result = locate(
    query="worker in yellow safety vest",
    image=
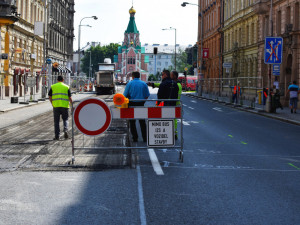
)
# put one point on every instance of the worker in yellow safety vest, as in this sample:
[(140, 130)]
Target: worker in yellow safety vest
[(60, 98)]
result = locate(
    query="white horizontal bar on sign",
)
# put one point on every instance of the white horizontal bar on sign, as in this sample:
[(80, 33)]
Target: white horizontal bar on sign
[(116, 114), (140, 113), (168, 113)]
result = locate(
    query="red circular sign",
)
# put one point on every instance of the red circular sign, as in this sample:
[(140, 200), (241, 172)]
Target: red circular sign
[(92, 116)]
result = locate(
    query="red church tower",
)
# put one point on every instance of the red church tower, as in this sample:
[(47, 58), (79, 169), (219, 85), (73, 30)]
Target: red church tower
[(131, 56)]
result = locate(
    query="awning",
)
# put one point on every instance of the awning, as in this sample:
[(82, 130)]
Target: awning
[(61, 69), (68, 70)]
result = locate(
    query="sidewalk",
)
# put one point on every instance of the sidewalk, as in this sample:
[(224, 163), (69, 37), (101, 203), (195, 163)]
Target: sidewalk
[(12, 113), (283, 115)]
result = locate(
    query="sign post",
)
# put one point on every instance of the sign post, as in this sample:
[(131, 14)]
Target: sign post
[(272, 55)]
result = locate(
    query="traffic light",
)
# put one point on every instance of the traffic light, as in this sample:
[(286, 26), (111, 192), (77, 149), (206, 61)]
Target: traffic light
[(155, 50)]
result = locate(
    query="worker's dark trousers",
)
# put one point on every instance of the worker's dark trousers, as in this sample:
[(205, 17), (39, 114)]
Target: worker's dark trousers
[(142, 123), (64, 112)]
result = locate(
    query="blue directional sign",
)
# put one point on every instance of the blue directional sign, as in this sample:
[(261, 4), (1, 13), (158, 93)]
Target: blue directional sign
[(276, 70), (273, 50), (48, 61)]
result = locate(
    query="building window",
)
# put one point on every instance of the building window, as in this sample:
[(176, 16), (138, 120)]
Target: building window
[(296, 16), (278, 28), (288, 15)]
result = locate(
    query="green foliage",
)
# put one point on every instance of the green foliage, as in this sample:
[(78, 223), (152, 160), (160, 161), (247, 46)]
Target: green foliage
[(99, 53), (152, 78), (181, 61)]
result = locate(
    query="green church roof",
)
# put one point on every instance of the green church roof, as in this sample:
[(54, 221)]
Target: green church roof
[(132, 26)]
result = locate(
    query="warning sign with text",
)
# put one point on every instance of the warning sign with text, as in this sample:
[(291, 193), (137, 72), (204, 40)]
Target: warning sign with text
[(161, 133)]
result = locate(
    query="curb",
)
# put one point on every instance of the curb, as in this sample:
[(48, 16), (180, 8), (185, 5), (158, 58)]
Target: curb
[(249, 110), (21, 106)]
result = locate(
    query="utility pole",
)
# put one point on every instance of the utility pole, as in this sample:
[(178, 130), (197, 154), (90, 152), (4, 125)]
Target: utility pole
[(268, 103), (201, 53)]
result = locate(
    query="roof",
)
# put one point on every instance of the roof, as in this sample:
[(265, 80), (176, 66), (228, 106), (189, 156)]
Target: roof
[(131, 28)]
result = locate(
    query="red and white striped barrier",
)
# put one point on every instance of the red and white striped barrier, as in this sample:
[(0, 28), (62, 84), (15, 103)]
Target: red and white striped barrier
[(146, 113)]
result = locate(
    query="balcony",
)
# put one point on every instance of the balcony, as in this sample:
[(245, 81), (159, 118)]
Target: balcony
[(261, 7), (8, 12)]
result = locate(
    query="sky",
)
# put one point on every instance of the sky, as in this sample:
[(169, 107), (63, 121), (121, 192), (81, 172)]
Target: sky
[(151, 17)]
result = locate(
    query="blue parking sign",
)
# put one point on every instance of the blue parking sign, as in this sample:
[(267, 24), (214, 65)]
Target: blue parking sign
[(273, 50)]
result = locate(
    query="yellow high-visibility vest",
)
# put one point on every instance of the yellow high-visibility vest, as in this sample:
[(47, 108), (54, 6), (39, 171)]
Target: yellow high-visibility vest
[(60, 96)]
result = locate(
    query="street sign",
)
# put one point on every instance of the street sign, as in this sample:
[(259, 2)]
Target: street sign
[(92, 116), (205, 53), (4, 56), (227, 65), (48, 61), (31, 81), (160, 133), (273, 50), (276, 69), (227, 70)]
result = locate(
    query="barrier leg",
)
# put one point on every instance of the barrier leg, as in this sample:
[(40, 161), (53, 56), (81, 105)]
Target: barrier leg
[(73, 152), (181, 135)]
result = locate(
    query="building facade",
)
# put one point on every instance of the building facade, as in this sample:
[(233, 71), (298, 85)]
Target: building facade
[(25, 49), (210, 20), (241, 45), (164, 59), (286, 24), (131, 55), (61, 34)]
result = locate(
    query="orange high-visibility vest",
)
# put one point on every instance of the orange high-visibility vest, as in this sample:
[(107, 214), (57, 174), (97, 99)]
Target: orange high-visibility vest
[(234, 89)]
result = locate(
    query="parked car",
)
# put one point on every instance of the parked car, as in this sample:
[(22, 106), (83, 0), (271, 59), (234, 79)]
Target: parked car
[(191, 83)]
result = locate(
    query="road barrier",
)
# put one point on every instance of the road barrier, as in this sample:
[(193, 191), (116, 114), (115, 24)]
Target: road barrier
[(93, 116)]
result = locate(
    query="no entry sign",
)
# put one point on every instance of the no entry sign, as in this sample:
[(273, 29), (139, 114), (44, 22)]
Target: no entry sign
[(92, 116)]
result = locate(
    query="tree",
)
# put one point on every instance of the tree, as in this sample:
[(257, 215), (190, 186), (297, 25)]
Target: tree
[(181, 61), (99, 53), (151, 77)]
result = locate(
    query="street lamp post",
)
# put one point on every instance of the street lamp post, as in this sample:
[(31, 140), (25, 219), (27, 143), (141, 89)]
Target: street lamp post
[(172, 28), (90, 67), (79, 33), (201, 51)]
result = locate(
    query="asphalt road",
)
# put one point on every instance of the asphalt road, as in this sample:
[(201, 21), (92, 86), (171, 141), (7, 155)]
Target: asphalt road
[(238, 168)]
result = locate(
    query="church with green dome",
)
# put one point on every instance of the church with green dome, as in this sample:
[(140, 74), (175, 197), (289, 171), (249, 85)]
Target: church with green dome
[(131, 55)]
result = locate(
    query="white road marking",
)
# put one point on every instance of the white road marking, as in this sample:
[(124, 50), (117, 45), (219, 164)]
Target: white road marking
[(193, 101), (191, 108), (218, 109), (156, 166), (195, 122), (184, 104), (141, 196), (186, 123)]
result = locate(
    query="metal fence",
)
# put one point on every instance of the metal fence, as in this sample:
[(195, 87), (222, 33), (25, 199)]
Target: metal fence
[(221, 89)]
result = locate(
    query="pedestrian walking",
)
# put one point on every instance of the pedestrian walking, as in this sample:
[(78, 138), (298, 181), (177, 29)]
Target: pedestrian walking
[(60, 98), (174, 77), (293, 90), (137, 90), (168, 89)]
